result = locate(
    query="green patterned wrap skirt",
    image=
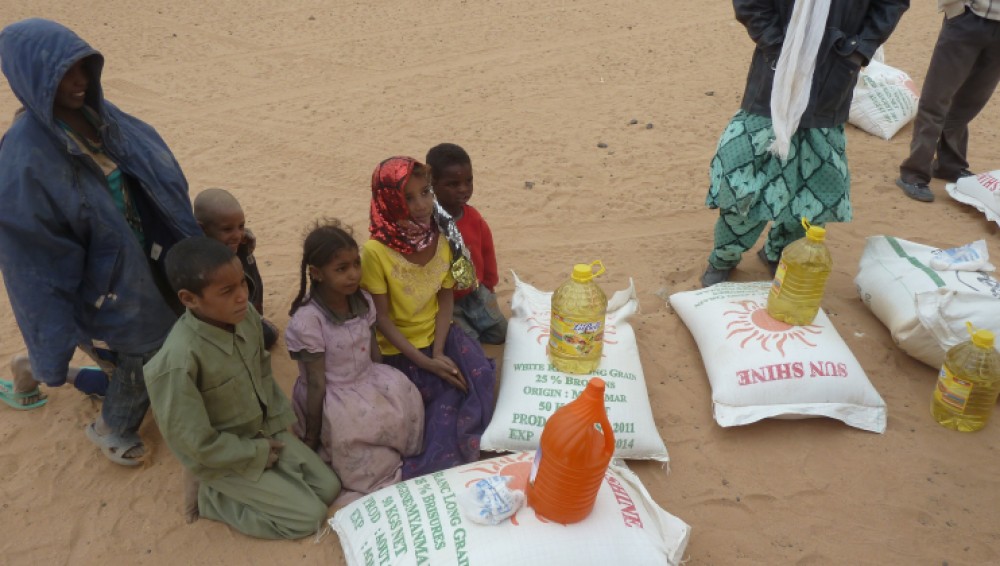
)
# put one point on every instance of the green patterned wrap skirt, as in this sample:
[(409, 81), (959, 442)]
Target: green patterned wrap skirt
[(751, 186)]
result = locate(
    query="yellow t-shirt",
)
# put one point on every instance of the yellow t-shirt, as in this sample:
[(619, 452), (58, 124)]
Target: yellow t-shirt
[(412, 289)]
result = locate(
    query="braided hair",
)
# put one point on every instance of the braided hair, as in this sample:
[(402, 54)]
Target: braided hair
[(324, 240)]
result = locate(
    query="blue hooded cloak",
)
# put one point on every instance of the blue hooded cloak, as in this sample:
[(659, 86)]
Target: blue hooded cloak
[(75, 272)]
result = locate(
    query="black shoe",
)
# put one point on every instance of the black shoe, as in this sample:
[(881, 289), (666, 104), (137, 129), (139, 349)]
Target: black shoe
[(713, 276), (965, 173), (771, 265), (916, 191)]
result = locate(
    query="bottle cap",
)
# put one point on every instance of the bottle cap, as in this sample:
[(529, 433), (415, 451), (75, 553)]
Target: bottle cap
[(982, 338), (814, 233), (583, 272)]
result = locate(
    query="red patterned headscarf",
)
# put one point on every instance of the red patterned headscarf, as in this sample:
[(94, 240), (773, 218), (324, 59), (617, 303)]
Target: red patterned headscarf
[(390, 217)]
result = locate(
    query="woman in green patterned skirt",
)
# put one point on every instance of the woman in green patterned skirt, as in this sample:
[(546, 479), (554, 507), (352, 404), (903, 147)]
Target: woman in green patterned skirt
[(783, 159)]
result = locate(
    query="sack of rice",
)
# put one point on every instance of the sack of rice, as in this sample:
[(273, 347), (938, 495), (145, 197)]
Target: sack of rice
[(761, 368), (419, 521), (981, 191), (924, 309), (531, 389), (885, 100)]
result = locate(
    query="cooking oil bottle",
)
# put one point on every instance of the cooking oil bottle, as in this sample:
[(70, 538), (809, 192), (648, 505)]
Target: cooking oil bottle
[(576, 329), (968, 384), (572, 458), (800, 279)]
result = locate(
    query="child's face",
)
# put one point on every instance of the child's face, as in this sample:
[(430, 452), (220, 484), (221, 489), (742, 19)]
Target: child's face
[(419, 199), (223, 301), (72, 89), (228, 227), (453, 186), (342, 274)]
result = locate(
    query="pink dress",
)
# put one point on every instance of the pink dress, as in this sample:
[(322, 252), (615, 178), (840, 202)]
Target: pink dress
[(373, 415)]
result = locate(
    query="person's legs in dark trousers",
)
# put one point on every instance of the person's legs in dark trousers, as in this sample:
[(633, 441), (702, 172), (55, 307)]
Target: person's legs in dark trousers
[(958, 48), (126, 401), (968, 102)]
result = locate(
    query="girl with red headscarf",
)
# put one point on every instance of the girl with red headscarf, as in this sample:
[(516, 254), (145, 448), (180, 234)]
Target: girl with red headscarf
[(407, 268)]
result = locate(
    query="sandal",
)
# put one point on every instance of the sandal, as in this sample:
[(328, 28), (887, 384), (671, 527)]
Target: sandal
[(114, 446), (13, 398)]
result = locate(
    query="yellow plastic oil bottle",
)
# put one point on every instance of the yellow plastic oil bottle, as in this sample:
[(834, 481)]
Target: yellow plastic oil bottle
[(968, 383), (572, 458), (576, 329), (801, 278)]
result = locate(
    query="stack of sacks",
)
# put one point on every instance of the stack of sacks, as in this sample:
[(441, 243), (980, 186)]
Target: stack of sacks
[(981, 191), (531, 389), (760, 367), (420, 521), (924, 296)]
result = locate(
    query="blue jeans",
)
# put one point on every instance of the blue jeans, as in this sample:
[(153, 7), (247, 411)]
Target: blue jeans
[(126, 401)]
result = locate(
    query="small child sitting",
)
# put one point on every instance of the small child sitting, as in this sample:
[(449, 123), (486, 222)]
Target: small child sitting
[(221, 217), (476, 310), (220, 410), (361, 415)]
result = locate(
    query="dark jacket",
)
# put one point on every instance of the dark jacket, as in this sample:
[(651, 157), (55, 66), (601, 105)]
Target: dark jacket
[(74, 270), (854, 26)]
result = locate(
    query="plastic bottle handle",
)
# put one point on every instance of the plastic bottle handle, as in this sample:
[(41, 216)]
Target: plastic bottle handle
[(971, 329), (609, 438), (806, 224), (599, 271)]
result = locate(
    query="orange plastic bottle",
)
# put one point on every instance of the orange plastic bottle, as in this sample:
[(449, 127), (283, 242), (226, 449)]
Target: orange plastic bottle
[(564, 483)]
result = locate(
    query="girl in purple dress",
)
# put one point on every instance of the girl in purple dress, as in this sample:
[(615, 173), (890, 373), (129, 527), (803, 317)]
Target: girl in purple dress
[(363, 417)]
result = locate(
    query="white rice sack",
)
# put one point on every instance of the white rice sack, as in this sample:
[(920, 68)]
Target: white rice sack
[(885, 100), (761, 368), (531, 389), (419, 522), (924, 309), (981, 191)]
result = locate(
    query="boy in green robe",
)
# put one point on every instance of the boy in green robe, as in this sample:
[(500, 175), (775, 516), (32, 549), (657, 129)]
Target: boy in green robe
[(220, 410)]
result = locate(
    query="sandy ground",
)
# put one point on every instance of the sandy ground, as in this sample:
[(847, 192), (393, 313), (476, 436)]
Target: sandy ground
[(291, 105)]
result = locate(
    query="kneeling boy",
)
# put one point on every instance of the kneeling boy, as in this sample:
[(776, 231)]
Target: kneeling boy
[(220, 410)]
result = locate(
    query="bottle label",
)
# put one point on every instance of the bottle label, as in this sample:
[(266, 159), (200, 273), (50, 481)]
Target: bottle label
[(779, 278), (951, 390), (575, 337)]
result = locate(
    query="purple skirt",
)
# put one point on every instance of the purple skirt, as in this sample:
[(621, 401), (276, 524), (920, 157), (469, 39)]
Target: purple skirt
[(453, 421)]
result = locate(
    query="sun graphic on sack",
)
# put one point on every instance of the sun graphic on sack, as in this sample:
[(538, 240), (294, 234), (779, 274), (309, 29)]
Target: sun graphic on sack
[(518, 466), (538, 323), (752, 323)]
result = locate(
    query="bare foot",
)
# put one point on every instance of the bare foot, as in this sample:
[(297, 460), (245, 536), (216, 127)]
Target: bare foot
[(24, 380), (191, 485)]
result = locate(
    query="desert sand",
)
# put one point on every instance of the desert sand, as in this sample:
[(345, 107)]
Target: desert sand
[(291, 105)]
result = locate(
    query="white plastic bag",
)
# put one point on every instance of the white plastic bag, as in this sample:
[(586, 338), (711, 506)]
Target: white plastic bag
[(885, 100), (490, 500), (924, 309), (418, 522), (531, 389), (970, 257), (981, 191), (761, 368)]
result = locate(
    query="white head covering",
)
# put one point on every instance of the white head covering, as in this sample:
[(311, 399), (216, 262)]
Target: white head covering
[(794, 73)]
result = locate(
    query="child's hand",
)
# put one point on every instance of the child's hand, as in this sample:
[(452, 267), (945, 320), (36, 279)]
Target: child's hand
[(442, 366), (272, 456)]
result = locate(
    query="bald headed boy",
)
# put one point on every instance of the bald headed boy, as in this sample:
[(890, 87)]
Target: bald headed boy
[(221, 218)]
